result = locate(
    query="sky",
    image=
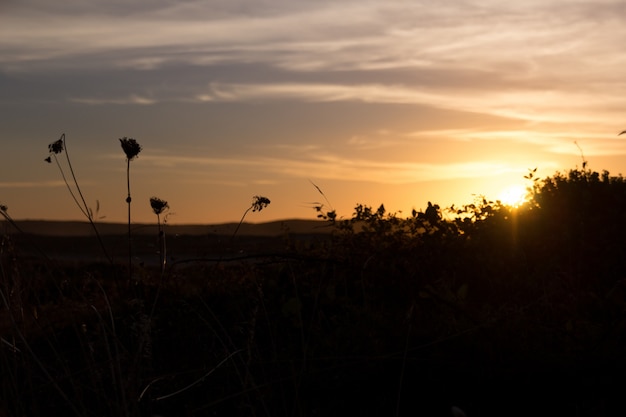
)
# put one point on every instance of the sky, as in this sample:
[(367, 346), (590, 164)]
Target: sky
[(391, 102)]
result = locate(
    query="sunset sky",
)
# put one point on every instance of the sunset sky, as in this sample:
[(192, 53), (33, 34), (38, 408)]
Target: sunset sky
[(398, 102)]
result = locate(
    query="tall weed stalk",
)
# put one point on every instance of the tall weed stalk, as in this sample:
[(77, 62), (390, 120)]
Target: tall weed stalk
[(131, 149), (56, 148), (258, 204), (159, 207)]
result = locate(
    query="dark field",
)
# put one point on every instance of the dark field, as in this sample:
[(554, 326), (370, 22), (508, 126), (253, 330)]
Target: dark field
[(508, 313), (145, 249)]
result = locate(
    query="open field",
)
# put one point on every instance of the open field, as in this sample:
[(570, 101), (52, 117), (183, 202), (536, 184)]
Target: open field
[(81, 228), (76, 240)]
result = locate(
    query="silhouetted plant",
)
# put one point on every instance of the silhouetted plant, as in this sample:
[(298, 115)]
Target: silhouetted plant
[(4, 213), (56, 148), (258, 204), (582, 155), (158, 207), (581, 216), (131, 149), (330, 215), (432, 214)]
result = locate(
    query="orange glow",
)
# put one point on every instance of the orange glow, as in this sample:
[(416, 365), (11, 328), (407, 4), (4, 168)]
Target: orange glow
[(513, 195)]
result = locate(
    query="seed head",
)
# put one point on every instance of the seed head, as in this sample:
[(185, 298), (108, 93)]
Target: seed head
[(259, 203), (131, 147), (3, 208), (158, 205), (56, 146)]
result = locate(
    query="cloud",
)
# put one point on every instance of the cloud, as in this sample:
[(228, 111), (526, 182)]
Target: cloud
[(342, 168), (327, 166), (300, 36), (132, 99), (554, 61), (596, 142), (545, 106)]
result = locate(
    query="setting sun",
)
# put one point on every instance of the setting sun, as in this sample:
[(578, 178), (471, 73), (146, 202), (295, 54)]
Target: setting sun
[(513, 195)]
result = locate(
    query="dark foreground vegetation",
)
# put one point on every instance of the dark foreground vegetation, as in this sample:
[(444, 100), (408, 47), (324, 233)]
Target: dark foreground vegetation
[(500, 311)]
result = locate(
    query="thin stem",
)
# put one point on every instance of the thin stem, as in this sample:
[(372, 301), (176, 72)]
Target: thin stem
[(196, 382), (84, 208), (128, 200), (241, 221), (162, 249), (258, 204), (69, 164), (67, 184)]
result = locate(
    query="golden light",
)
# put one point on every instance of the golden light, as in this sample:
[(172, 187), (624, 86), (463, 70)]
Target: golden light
[(513, 195)]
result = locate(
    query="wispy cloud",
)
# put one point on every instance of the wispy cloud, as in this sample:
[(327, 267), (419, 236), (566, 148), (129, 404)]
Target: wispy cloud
[(132, 99), (533, 105), (536, 61), (350, 35), (341, 168), (331, 166), (597, 143), (548, 105)]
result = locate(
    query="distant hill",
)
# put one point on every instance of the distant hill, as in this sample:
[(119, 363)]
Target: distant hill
[(79, 228)]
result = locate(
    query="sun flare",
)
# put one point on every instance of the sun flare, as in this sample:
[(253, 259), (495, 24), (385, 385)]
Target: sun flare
[(513, 195)]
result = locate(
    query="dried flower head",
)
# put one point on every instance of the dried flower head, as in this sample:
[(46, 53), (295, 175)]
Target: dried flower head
[(131, 147), (3, 207), (158, 205), (56, 146), (259, 203)]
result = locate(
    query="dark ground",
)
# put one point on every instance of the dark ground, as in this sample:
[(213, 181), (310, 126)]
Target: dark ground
[(316, 337)]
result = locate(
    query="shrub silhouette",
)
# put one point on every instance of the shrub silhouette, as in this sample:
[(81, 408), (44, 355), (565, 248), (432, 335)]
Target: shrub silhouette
[(557, 260), (580, 219)]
